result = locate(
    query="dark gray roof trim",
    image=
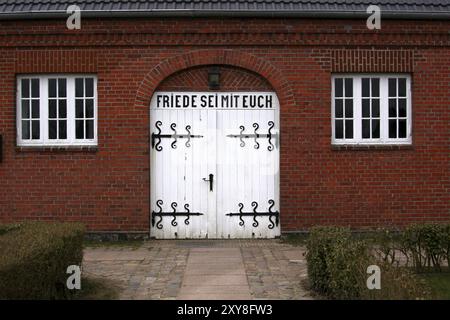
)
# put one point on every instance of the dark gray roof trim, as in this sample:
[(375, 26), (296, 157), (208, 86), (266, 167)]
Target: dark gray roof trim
[(401, 9)]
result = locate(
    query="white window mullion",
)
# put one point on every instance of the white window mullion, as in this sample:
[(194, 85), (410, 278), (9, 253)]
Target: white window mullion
[(357, 133), (19, 111), (43, 102), (71, 110), (95, 112), (408, 109), (384, 110), (333, 110)]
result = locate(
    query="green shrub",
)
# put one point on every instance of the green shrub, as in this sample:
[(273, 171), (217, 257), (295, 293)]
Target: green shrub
[(319, 244), (446, 243), (386, 245), (347, 263), (426, 245), (337, 268), (35, 257)]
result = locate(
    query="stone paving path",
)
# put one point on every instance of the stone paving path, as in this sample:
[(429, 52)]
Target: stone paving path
[(202, 269), (215, 273)]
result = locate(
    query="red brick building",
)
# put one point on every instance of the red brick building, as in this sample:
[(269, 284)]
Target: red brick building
[(353, 122)]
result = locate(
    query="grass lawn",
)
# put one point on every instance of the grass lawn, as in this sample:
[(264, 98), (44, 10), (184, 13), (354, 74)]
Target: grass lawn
[(439, 283), (97, 289)]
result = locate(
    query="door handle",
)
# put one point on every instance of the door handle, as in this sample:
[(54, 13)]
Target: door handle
[(211, 181)]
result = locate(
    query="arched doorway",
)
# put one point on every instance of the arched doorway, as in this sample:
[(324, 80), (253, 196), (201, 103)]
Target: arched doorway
[(214, 157)]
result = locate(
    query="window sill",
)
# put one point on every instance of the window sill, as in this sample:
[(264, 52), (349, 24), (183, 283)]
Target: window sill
[(86, 148), (365, 147)]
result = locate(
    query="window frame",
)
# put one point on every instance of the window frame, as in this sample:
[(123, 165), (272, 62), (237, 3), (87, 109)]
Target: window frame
[(384, 110), (44, 140)]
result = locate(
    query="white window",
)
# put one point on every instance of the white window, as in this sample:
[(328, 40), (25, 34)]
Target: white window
[(56, 110), (371, 109)]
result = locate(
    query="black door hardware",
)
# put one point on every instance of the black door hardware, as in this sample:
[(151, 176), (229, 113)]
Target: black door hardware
[(174, 214), (211, 181), (156, 137), (255, 214), (257, 136)]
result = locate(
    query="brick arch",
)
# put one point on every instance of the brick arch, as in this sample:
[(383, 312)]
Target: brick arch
[(231, 79), (224, 57)]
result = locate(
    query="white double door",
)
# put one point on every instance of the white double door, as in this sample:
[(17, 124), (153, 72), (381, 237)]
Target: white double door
[(214, 173)]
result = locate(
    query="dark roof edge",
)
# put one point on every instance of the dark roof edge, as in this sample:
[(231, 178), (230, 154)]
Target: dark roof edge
[(438, 15)]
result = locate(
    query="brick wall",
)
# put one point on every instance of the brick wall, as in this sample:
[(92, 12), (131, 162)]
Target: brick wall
[(108, 187)]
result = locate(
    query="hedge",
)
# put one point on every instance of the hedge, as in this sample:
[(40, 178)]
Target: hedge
[(337, 268), (426, 245), (35, 257), (320, 243)]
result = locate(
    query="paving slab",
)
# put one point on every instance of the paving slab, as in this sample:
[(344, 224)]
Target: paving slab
[(224, 289), (108, 255), (190, 270), (215, 280), (295, 255), (213, 296), (216, 285), (214, 260)]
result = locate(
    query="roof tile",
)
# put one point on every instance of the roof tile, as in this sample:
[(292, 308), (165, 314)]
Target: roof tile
[(48, 6)]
